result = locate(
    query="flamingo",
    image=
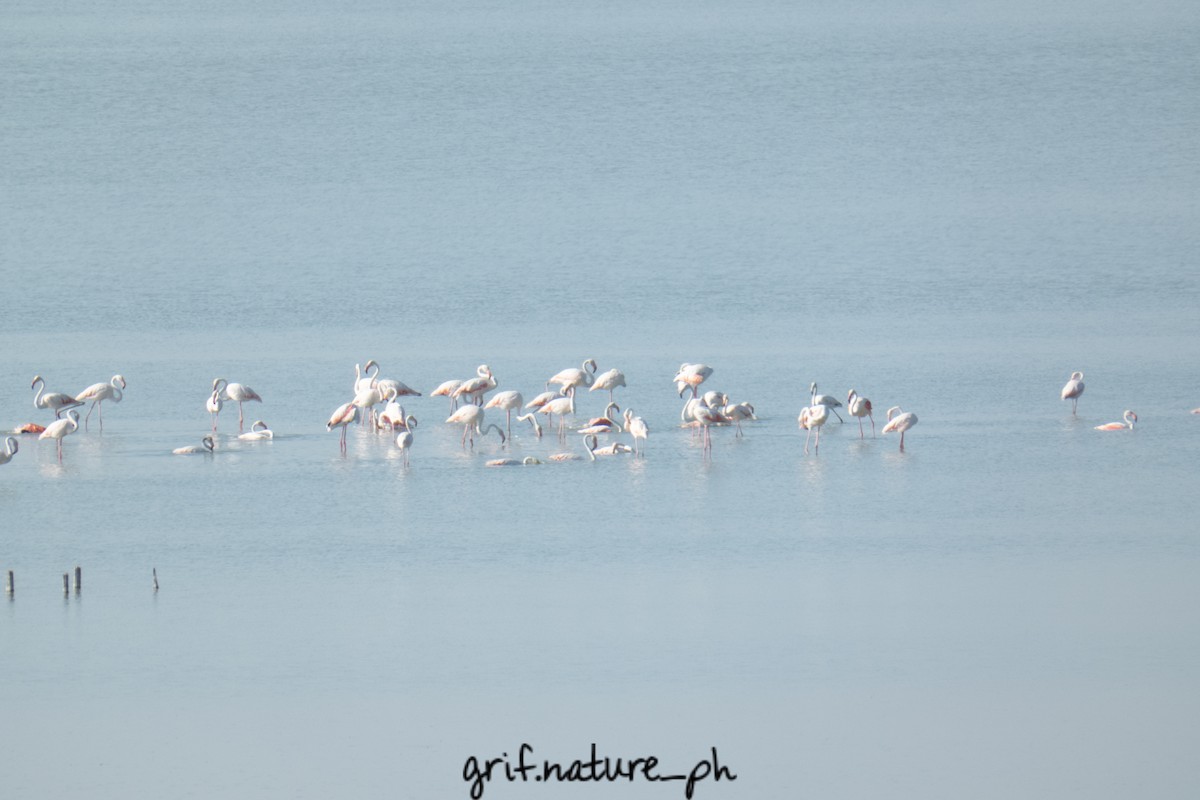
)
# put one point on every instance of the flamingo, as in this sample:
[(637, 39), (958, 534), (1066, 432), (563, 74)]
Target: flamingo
[(392, 415), (404, 439), (97, 393), (531, 418), (30, 427), (704, 416), (239, 393), (573, 376), (608, 381), (691, 376), (512, 462), (827, 400), (813, 416), (562, 406), (903, 422), (606, 424), (473, 389), (205, 447), (366, 400), (736, 413), (401, 389), (58, 401), (214, 404), (365, 379), (446, 389), (10, 450), (61, 427), (543, 398), (638, 430), (1073, 390), (346, 414), (614, 449), (1129, 417), (471, 418), (258, 431), (510, 401), (860, 407), (565, 456)]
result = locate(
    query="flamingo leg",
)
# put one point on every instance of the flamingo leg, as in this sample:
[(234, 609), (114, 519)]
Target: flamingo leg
[(807, 436), (861, 435), (89, 415), (817, 446), (901, 441), (240, 418)]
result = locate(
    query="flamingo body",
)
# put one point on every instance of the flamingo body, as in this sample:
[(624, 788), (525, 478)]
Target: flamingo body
[(1129, 417)]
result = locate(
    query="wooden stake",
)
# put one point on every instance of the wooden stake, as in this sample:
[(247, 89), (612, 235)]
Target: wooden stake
[(8, 583), (155, 571), (66, 583), (78, 579)]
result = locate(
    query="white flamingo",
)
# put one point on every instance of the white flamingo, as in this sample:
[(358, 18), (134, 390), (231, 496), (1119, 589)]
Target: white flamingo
[(575, 376), (471, 418), (206, 447), (690, 376), (607, 382), (10, 450), (473, 389), (1129, 417), (903, 421), (562, 406), (258, 431), (860, 407), (512, 462), (365, 379), (510, 401), (606, 424), (55, 401), (638, 430), (613, 449), (60, 428), (446, 389), (1073, 390), (214, 404), (97, 393), (404, 439), (345, 415), (238, 393), (827, 400), (737, 412), (699, 412), (813, 417), (531, 418)]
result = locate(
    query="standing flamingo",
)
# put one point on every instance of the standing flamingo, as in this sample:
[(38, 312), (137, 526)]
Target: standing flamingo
[(638, 430), (214, 404), (404, 439), (510, 401), (562, 406), (97, 393), (446, 389), (813, 416), (902, 422), (10, 450), (61, 427), (827, 400), (701, 414), (575, 376), (471, 418), (57, 401), (475, 388), (345, 415), (238, 393), (531, 418), (691, 376), (608, 381), (1073, 390), (1129, 417), (365, 379), (736, 413), (860, 407)]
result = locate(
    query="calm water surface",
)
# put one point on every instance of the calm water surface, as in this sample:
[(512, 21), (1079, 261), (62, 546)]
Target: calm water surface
[(949, 209)]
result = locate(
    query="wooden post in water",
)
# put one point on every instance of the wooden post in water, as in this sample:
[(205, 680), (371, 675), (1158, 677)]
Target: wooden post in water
[(66, 583), (78, 579), (155, 571), (8, 583)]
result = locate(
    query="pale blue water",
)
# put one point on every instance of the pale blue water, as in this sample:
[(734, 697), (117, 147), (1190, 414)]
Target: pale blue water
[(948, 208)]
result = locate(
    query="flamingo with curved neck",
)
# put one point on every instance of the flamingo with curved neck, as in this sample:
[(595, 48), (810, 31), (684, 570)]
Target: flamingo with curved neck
[(97, 393), (59, 429), (10, 450), (58, 401), (899, 421)]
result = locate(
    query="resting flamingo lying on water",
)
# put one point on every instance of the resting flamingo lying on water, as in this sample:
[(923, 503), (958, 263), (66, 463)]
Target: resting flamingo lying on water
[(1129, 417)]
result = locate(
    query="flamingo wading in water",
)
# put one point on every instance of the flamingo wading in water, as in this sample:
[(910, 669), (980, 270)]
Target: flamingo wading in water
[(345, 415), (900, 422), (57, 401), (97, 393), (860, 407), (239, 393), (60, 428), (1073, 390), (10, 450)]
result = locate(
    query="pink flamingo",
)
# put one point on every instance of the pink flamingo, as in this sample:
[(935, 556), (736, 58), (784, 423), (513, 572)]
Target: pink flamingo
[(903, 422)]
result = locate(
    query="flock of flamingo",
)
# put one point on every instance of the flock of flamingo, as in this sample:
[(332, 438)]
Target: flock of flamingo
[(375, 403)]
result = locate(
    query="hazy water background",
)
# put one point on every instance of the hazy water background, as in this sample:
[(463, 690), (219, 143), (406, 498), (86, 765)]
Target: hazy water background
[(947, 207)]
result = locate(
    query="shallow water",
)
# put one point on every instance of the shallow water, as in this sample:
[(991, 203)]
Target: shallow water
[(948, 209)]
